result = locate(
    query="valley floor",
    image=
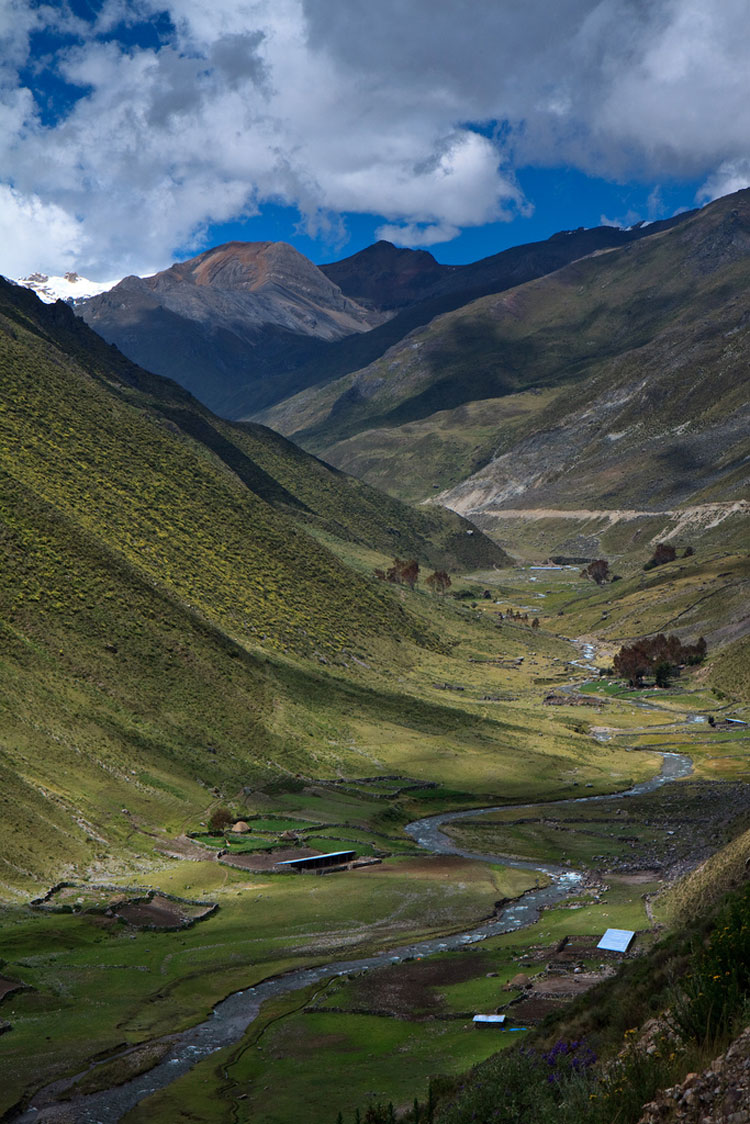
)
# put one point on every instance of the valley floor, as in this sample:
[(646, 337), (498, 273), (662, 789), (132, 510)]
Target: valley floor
[(102, 993)]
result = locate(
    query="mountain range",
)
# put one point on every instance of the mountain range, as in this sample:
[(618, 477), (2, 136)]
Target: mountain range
[(245, 325), (599, 371), (617, 383)]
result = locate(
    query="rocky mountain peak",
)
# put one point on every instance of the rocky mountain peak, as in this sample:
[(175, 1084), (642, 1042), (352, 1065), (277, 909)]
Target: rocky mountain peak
[(247, 267), (386, 275)]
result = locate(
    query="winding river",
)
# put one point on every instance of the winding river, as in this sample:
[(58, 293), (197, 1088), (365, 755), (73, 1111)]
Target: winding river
[(231, 1017)]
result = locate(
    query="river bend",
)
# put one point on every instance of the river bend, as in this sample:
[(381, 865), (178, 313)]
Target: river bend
[(232, 1016)]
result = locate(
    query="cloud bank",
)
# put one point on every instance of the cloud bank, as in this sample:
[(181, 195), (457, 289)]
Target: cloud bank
[(123, 137)]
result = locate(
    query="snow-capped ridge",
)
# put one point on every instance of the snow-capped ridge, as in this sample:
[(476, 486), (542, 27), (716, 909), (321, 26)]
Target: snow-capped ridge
[(71, 287)]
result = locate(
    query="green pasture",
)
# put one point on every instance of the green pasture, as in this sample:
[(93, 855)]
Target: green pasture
[(94, 986), (328, 1063), (656, 830), (287, 1057)]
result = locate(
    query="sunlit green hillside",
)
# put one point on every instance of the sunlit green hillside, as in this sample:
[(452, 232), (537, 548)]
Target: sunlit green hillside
[(171, 631)]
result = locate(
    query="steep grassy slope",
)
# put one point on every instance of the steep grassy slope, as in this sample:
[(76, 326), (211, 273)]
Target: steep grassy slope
[(640, 352), (149, 570), (175, 513)]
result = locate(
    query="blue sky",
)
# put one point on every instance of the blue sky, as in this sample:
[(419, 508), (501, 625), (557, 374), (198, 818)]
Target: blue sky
[(136, 132), (563, 199)]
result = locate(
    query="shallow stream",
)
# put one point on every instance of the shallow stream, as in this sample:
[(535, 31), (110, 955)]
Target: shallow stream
[(231, 1018)]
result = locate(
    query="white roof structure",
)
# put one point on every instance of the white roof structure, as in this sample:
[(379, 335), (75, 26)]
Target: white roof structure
[(311, 860), (616, 940), (491, 1019)]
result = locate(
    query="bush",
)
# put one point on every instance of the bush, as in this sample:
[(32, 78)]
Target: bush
[(598, 571), (715, 993), (220, 820), (663, 553), (525, 1084)]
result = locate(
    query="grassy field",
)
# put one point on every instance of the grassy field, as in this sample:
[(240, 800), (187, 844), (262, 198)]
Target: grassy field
[(463, 719), (91, 980)]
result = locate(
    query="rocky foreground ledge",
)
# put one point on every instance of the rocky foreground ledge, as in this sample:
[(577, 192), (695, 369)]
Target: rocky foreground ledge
[(719, 1095)]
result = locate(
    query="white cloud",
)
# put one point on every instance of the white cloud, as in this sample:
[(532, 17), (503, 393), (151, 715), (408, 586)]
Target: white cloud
[(36, 235), (414, 235), (354, 106), (730, 176)]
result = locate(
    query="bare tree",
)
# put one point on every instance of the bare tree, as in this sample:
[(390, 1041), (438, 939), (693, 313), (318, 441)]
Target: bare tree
[(438, 582)]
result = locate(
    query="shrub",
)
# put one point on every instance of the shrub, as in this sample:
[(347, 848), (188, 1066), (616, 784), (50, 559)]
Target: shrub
[(524, 1084), (220, 819), (438, 582), (714, 994), (598, 571), (663, 553)]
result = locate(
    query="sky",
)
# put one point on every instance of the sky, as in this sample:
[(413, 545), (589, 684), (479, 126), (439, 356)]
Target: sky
[(138, 132)]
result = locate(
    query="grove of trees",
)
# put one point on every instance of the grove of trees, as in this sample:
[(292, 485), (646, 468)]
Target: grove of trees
[(659, 656), (401, 572)]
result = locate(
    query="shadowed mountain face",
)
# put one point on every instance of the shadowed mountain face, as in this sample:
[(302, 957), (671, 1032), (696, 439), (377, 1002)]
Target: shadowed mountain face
[(388, 277), (618, 381), (233, 315), (392, 278), (248, 324)]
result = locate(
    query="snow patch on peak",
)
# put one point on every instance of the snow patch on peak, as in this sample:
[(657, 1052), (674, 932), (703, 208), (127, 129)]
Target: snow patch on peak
[(71, 287)]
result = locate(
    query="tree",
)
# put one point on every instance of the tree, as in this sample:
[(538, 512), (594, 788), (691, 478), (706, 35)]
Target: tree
[(438, 582), (664, 552), (632, 663), (663, 673), (598, 571), (410, 573), (403, 572), (220, 819)]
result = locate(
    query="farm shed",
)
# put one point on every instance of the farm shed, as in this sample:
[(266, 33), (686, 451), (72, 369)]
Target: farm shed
[(488, 1020), (319, 862), (616, 940)]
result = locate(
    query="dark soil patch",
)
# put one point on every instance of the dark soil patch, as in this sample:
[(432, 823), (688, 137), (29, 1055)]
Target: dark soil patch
[(158, 912), (412, 989), (566, 987), (534, 1009), (575, 950), (261, 861), (7, 986)]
